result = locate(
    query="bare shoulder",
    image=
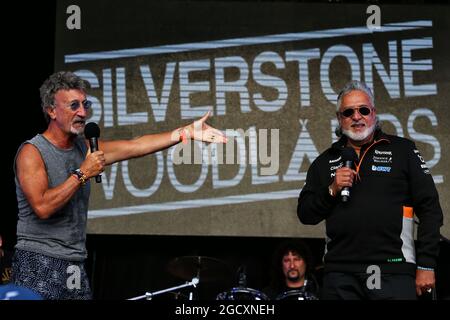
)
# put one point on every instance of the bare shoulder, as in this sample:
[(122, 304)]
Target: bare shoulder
[(29, 157)]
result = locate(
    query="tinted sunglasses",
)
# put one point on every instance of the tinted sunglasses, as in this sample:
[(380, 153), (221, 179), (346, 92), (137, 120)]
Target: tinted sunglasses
[(364, 111), (74, 105)]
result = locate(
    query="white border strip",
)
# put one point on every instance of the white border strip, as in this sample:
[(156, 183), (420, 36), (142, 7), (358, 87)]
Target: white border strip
[(228, 43), (197, 203)]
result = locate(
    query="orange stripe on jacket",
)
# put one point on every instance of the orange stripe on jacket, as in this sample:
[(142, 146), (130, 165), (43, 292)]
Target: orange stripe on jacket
[(408, 212)]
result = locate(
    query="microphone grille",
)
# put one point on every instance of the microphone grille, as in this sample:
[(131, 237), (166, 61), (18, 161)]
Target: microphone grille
[(91, 130)]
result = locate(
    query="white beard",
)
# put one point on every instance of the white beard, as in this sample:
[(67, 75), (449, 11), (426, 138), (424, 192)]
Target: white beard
[(78, 131), (361, 135)]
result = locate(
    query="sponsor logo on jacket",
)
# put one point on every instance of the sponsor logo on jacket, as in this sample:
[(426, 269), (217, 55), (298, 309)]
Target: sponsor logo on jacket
[(381, 168), (423, 165), (382, 159), (383, 153), (335, 160), (335, 167)]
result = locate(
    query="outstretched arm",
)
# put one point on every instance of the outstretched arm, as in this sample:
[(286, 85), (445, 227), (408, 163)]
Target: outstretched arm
[(119, 150)]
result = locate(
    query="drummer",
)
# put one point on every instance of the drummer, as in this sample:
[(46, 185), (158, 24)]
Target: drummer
[(292, 272)]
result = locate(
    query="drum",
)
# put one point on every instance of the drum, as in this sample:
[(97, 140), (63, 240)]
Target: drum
[(296, 295), (240, 293)]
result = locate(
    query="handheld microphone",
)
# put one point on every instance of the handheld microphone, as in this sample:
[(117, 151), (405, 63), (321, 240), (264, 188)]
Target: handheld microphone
[(92, 132), (348, 155)]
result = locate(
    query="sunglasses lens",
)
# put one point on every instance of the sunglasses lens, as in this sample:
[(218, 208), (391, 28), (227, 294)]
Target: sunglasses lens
[(364, 111), (87, 104), (74, 105), (348, 112)]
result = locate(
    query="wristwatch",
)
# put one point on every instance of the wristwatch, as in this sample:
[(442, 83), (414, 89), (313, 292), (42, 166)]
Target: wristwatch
[(330, 191), (80, 176)]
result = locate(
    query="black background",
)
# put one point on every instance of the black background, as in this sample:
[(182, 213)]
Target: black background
[(120, 266)]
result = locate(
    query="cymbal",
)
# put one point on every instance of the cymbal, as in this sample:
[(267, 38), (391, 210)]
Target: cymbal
[(205, 268)]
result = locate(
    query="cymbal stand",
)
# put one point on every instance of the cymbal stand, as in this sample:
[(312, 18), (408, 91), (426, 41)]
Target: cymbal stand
[(150, 295)]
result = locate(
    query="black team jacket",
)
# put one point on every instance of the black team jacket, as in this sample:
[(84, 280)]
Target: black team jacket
[(376, 225)]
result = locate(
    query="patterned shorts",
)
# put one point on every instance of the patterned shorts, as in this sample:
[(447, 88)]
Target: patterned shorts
[(52, 278)]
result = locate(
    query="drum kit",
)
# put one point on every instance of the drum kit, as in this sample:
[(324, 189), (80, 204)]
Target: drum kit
[(203, 269), (194, 269), (242, 293), (299, 294)]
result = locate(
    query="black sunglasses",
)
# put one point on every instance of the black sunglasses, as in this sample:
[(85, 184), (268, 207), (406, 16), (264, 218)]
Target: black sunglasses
[(74, 105), (364, 111)]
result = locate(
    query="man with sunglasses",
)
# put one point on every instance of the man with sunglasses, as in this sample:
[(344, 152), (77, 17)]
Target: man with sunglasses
[(53, 170), (370, 250)]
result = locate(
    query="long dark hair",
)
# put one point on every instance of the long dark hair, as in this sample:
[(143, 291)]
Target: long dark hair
[(296, 246)]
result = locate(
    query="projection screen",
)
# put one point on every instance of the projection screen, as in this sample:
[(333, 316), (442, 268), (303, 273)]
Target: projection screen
[(269, 73)]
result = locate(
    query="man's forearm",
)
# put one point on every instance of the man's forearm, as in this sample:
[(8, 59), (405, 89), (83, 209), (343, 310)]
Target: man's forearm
[(120, 150), (54, 199)]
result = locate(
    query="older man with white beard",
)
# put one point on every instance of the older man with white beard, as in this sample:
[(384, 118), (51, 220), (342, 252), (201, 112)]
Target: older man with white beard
[(370, 249), (53, 172)]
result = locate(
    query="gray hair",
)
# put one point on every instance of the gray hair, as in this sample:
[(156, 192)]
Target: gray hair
[(351, 86), (62, 80)]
